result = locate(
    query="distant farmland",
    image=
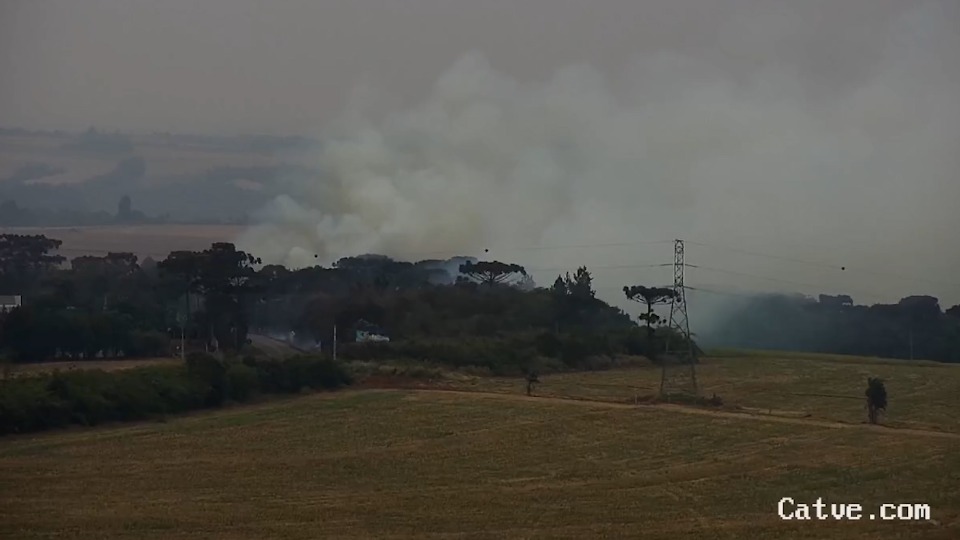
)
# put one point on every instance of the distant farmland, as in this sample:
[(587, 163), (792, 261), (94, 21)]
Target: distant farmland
[(164, 160), (143, 240)]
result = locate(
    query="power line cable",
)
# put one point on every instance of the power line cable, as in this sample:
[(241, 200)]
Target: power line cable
[(821, 264), (873, 295), (520, 249), (767, 255), (723, 293), (599, 267)]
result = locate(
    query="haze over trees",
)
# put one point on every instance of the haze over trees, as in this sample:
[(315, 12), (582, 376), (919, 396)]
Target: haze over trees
[(482, 319), (483, 315), (915, 327)]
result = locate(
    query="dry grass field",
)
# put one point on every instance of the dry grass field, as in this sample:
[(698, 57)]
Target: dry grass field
[(923, 395), (486, 461)]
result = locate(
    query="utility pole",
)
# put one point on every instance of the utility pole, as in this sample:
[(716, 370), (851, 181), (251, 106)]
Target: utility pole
[(679, 371), (911, 342), (182, 322), (334, 343)]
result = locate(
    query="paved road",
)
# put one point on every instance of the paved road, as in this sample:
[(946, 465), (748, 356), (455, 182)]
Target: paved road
[(274, 348)]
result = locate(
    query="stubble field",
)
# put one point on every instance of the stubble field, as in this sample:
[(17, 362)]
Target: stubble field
[(475, 458)]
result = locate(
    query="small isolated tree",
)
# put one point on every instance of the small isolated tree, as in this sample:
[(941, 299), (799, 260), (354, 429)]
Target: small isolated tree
[(651, 296), (532, 379), (876, 398)]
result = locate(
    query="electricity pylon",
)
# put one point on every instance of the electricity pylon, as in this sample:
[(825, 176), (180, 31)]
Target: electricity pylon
[(679, 370)]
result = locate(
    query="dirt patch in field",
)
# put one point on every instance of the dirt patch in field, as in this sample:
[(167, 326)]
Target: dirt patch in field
[(399, 384)]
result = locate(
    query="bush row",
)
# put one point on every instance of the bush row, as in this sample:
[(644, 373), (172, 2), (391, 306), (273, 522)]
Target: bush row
[(91, 397), (513, 354)]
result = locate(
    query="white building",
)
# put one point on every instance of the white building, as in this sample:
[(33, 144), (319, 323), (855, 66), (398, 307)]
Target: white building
[(367, 332), (8, 303)]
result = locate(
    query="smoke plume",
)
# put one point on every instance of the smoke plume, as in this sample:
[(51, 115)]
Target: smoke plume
[(673, 148)]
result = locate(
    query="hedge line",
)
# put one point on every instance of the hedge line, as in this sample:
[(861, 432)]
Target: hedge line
[(93, 397), (510, 355)]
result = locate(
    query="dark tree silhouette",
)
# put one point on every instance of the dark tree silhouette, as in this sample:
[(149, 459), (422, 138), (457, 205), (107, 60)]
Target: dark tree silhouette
[(650, 296), (559, 287), (876, 398), (23, 258), (580, 286), (223, 275), (492, 272)]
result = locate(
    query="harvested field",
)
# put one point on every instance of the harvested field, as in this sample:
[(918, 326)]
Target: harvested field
[(486, 461), (831, 388)]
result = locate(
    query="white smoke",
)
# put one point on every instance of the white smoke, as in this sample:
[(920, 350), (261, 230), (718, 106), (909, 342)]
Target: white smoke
[(677, 149), (485, 161)]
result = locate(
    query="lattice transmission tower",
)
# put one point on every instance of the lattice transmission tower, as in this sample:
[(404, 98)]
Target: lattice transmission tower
[(679, 367)]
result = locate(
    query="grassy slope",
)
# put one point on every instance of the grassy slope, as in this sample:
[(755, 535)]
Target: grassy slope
[(419, 465)]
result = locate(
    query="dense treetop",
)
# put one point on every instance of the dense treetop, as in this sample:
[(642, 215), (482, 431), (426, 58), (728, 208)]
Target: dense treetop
[(116, 305)]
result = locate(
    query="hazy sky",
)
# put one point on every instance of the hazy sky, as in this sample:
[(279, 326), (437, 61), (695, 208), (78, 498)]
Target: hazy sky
[(825, 130), (290, 65)]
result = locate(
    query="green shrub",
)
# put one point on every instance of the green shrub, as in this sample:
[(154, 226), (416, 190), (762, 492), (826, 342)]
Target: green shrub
[(242, 382), (93, 397), (26, 404), (317, 372), (174, 388), (85, 394), (212, 373)]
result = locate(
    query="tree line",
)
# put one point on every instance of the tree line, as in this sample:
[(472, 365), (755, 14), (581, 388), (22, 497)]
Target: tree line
[(463, 310)]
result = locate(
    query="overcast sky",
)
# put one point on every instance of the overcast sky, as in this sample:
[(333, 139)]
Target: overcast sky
[(290, 65), (818, 129)]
